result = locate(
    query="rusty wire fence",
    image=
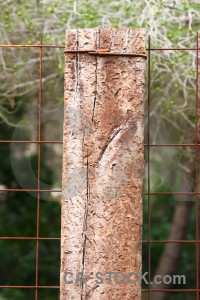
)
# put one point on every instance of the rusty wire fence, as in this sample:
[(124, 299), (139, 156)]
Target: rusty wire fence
[(148, 291)]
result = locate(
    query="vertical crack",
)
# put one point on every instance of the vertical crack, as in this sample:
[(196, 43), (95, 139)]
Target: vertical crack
[(87, 176), (88, 186), (85, 217), (85, 226), (76, 71), (95, 96)]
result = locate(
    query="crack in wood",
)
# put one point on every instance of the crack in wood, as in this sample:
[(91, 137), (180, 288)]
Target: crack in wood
[(76, 71), (121, 129), (88, 187), (108, 144), (95, 96), (85, 227)]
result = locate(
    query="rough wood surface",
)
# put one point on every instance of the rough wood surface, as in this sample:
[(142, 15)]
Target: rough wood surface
[(103, 163)]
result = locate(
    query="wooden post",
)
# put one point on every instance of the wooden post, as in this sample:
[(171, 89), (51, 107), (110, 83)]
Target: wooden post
[(103, 165)]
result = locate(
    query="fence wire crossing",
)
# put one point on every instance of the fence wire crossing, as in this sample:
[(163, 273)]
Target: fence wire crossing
[(196, 145)]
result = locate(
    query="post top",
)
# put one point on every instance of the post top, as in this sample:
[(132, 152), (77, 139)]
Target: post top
[(119, 40)]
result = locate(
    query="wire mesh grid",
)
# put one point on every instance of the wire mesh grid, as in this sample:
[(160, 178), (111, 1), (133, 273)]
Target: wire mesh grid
[(149, 193)]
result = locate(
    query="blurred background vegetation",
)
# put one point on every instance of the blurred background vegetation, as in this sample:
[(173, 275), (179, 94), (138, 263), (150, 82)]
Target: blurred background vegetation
[(170, 24)]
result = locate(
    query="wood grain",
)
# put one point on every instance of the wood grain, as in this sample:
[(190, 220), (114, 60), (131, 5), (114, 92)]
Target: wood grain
[(103, 163)]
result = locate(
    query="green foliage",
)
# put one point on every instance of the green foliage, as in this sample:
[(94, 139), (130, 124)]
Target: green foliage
[(18, 216)]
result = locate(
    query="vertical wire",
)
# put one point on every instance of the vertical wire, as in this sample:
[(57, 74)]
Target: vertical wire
[(149, 231), (197, 216), (39, 158)]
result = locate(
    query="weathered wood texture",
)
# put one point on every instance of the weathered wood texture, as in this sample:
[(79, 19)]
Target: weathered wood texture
[(103, 162)]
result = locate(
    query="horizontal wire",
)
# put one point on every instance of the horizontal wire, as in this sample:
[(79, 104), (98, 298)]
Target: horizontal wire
[(30, 46), (60, 190), (31, 142), (28, 287), (57, 287), (58, 239), (28, 238), (170, 193), (170, 241), (171, 145), (30, 190), (61, 142), (170, 290), (63, 47), (172, 49)]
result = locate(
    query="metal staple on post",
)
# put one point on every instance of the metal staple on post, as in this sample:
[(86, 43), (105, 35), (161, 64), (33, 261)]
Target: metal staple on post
[(104, 52)]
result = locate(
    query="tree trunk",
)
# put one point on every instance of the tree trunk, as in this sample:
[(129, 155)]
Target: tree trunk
[(171, 255), (103, 164)]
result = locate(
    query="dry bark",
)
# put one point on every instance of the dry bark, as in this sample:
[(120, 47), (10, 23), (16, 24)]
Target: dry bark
[(103, 163)]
